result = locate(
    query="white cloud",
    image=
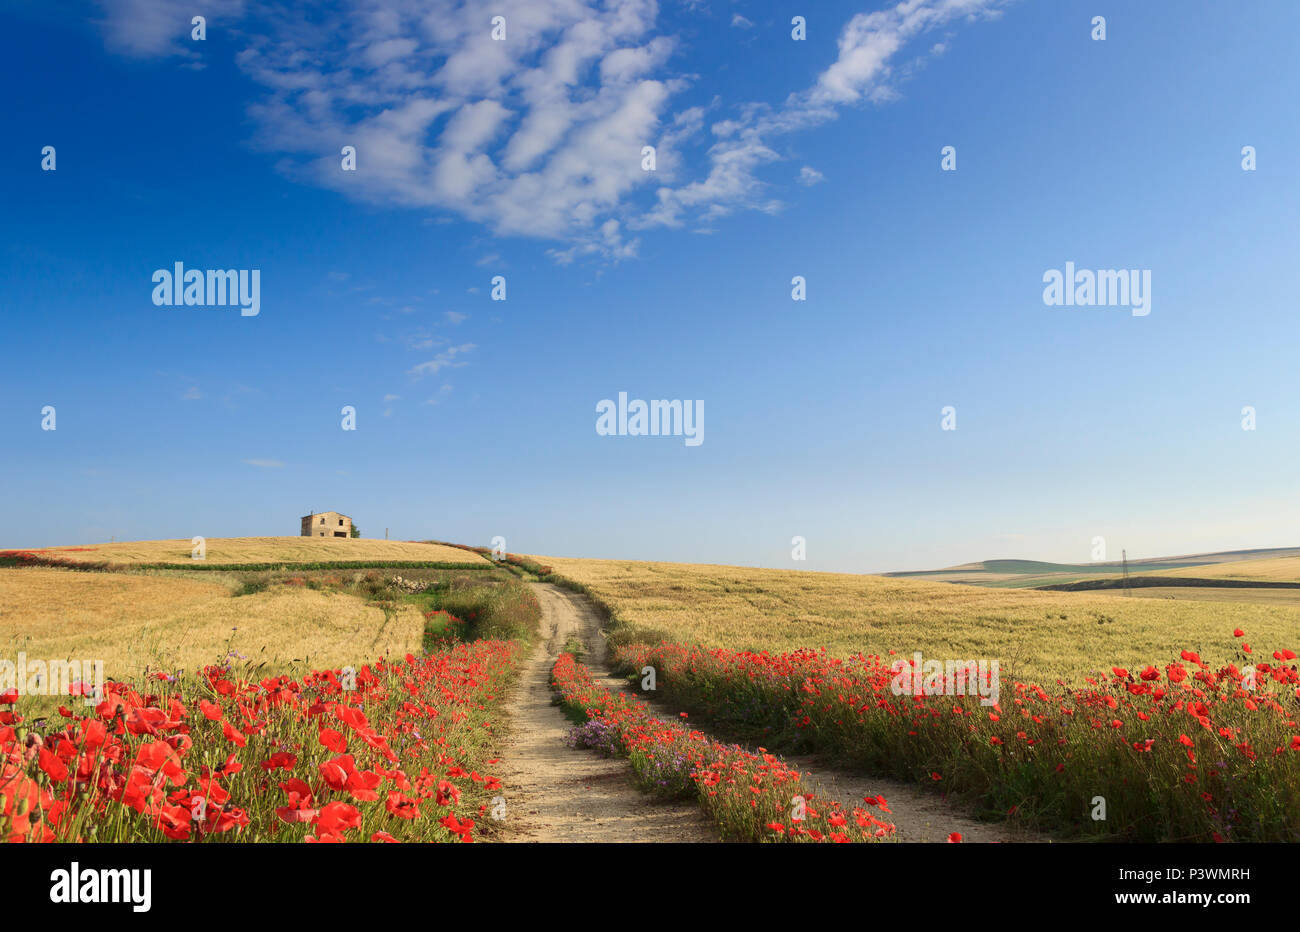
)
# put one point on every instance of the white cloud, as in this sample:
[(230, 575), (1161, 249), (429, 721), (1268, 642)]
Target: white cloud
[(540, 135), (154, 28), (420, 342), (444, 360), (628, 64), (455, 317), (265, 464), (870, 40), (861, 72), (809, 176), (442, 391), (381, 53)]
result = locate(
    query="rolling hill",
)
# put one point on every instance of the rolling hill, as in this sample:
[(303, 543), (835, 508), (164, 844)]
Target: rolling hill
[(1273, 564)]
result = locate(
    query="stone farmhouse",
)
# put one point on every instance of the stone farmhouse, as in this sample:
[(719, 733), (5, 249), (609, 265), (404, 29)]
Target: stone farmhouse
[(326, 524)]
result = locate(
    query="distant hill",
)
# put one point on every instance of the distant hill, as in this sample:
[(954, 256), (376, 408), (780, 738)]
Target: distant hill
[(1018, 574)]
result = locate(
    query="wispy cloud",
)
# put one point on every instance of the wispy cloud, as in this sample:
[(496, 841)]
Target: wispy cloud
[(421, 339), (809, 176), (264, 464), (539, 135), (446, 389), (447, 359), (158, 28)]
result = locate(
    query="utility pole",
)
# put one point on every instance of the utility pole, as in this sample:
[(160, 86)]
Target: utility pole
[(1124, 554), (385, 533)]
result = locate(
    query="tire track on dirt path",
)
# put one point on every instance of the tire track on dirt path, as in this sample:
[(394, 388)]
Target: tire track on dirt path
[(557, 794), (919, 815)]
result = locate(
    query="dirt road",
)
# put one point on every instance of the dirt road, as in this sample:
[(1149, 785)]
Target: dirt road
[(559, 794)]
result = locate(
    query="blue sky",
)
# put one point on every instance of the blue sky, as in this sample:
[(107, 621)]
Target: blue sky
[(776, 158)]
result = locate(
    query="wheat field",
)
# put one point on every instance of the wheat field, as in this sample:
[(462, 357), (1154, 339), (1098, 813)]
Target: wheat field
[(134, 622), (1270, 569), (265, 550), (1213, 594), (1034, 635)]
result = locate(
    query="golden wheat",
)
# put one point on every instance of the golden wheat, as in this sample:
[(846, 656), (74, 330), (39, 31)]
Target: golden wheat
[(1213, 594), (266, 550), (132, 622), (1270, 569), (1036, 635)]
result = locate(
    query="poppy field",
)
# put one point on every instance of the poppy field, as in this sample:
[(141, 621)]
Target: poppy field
[(1180, 751), (751, 796), (392, 752), (1200, 745)]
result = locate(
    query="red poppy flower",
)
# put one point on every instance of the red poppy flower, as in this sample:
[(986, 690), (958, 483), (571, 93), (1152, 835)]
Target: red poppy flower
[(337, 817), (354, 718), (402, 806), (361, 784), (333, 740), (336, 771), (55, 768), (280, 760), (461, 827), (448, 793), (232, 734)]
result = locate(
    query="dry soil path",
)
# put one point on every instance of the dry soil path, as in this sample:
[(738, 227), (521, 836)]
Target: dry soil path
[(557, 794), (552, 768)]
